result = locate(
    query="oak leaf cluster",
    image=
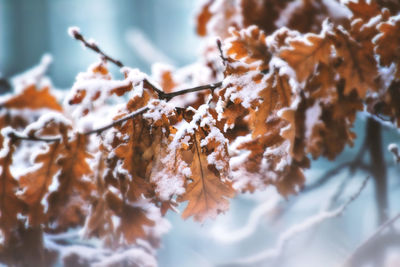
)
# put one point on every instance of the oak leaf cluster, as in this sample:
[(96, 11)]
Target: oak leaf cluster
[(113, 156)]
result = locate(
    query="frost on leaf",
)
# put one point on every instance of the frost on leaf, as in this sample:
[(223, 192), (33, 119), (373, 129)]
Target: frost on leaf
[(364, 9), (10, 205), (388, 43), (132, 219), (67, 201), (270, 157), (356, 66), (208, 186), (247, 58), (305, 54), (36, 183)]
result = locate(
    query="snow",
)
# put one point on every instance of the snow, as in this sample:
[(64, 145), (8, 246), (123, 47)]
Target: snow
[(5, 132), (393, 147), (100, 86), (34, 76), (73, 30), (312, 118), (168, 183), (44, 120), (298, 229), (336, 9), (287, 13), (268, 206), (158, 109), (219, 22)]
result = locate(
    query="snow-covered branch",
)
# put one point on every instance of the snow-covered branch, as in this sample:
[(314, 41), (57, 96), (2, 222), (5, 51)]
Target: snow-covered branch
[(298, 229)]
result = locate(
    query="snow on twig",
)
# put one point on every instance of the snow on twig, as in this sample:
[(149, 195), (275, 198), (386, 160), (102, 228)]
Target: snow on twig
[(359, 250), (222, 235), (33, 76), (297, 229)]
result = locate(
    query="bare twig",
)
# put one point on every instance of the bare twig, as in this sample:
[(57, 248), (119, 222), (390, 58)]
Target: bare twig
[(75, 33), (211, 87), (18, 136), (378, 167), (352, 165), (118, 122), (221, 53)]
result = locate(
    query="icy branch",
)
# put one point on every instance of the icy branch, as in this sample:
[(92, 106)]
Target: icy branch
[(221, 234), (76, 34), (298, 229), (18, 136), (368, 243)]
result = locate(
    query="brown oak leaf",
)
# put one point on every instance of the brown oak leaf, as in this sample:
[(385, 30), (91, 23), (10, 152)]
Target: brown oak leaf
[(10, 205), (36, 183), (33, 98), (67, 203), (208, 193), (305, 54)]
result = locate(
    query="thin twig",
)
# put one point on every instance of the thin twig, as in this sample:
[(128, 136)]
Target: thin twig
[(211, 87), (78, 36), (334, 171), (295, 230), (18, 136), (161, 94), (118, 122)]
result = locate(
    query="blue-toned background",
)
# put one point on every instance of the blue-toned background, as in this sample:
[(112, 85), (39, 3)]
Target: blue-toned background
[(30, 28)]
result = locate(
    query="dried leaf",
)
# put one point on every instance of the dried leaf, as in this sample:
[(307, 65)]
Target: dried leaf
[(36, 183), (357, 66), (33, 98), (67, 203), (388, 43), (10, 205), (208, 192), (305, 54)]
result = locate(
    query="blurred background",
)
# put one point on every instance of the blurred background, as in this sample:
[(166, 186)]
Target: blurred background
[(140, 33), (137, 32)]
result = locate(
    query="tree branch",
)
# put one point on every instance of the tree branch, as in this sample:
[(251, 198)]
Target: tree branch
[(118, 122), (295, 230), (75, 33), (18, 136), (359, 255), (378, 167)]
